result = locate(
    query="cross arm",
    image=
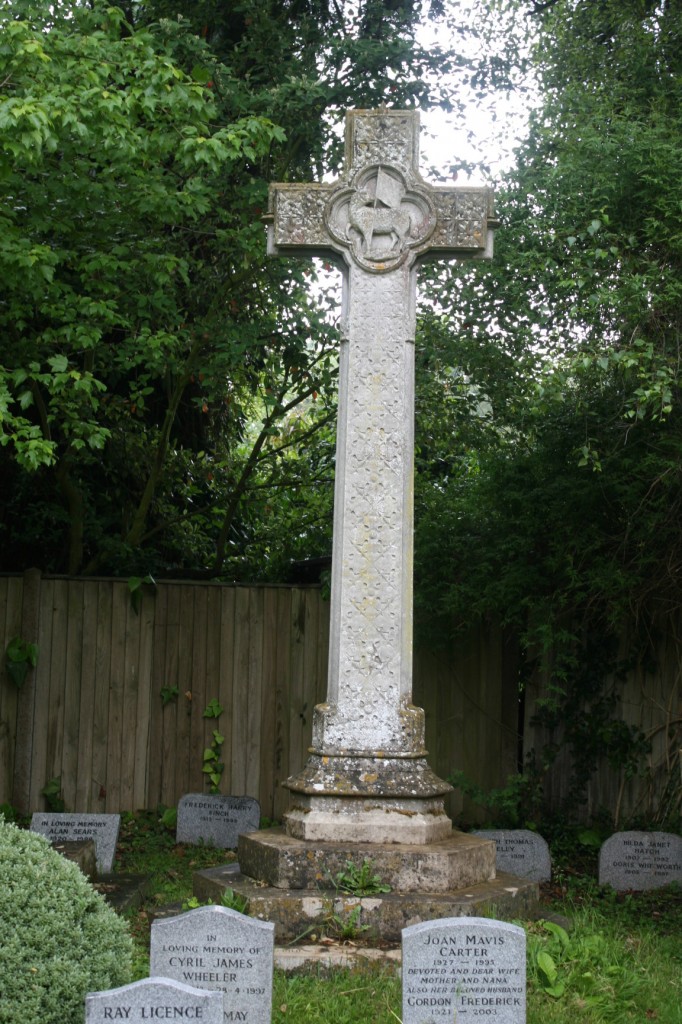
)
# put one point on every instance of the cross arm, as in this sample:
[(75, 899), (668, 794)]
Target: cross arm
[(465, 220), (295, 220)]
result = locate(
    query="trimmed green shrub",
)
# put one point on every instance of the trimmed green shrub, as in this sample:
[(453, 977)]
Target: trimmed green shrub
[(59, 939)]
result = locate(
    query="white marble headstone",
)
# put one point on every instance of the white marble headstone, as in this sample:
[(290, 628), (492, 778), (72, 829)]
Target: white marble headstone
[(216, 820), (219, 949), (154, 999), (464, 969), (68, 828), (640, 860)]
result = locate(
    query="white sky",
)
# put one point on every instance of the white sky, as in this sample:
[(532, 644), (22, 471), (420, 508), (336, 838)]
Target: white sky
[(491, 128)]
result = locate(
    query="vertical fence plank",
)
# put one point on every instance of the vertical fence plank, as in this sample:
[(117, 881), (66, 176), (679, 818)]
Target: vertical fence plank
[(254, 748), (144, 701), (311, 660), (176, 708), (86, 790), (43, 709), (7, 712), (212, 685), (100, 730), (322, 646), (188, 708), (55, 724), (240, 693), (200, 694), (131, 697), (158, 710), (73, 598), (266, 793), (119, 621), (282, 768), (298, 705), (16, 715), (227, 685)]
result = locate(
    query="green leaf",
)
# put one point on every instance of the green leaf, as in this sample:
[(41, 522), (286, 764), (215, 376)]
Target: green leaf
[(213, 709), (59, 364), (560, 933), (547, 968), (200, 74)]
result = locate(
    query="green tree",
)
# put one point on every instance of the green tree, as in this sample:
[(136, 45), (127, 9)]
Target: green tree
[(109, 162), (143, 327)]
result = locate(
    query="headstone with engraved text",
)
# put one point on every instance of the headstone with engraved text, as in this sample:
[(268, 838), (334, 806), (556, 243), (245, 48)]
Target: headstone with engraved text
[(464, 969), (640, 860), (154, 999), (520, 852), (63, 827), (216, 820), (219, 949)]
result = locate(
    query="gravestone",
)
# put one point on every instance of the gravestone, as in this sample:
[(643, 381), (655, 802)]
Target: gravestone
[(154, 999), (219, 949), (640, 860), (62, 827), (367, 779), (464, 969), (520, 852), (216, 820)]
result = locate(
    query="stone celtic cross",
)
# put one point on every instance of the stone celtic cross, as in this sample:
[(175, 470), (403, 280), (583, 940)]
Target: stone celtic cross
[(367, 778)]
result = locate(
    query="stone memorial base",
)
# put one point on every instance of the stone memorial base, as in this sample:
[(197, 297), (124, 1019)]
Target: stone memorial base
[(284, 862), (302, 913), (291, 883), (362, 799)]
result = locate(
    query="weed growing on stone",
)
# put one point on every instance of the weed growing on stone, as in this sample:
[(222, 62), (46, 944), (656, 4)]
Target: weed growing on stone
[(359, 880)]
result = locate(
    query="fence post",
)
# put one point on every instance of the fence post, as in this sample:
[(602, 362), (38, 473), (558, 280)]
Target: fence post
[(23, 747)]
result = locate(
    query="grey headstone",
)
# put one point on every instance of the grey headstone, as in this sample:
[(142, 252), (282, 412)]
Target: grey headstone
[(216, 820), (640, 860), (520, 852), (466, 969), (102, 828), (217, 948), (154, 999)]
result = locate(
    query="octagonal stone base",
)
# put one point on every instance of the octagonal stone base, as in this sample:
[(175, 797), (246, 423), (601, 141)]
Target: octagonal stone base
[(334, 820), (367, 799), (277, 859)]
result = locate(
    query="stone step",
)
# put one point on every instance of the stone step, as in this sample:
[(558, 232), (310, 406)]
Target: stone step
[(284, 862), (302, 913)]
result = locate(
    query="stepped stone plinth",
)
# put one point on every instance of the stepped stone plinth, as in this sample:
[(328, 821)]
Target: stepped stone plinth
[(284, 862), (303, 913)]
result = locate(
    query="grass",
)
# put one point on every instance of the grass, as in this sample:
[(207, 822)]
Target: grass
[(599, 957)]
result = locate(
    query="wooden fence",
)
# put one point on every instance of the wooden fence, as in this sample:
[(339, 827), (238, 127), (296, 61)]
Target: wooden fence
[(650, 700), (91, 713)]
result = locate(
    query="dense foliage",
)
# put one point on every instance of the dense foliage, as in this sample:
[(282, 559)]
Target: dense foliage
[(566, 348), (159, 379), (60, 940), (557, 509)]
